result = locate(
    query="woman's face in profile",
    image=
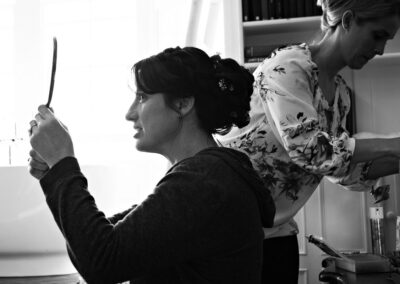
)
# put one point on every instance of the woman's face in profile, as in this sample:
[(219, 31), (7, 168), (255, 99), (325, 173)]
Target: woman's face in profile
[(365, 40), (154, 122)]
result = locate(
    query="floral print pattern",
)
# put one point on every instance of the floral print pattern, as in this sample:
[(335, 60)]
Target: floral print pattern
[(295, 137)]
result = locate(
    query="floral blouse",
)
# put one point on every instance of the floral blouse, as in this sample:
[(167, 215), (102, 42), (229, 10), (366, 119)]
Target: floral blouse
[(295, 137)]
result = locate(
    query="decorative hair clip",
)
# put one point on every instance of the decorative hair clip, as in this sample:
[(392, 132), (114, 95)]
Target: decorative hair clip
[(224, 85)]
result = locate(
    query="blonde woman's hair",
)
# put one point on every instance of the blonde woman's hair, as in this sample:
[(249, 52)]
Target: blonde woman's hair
[(364, 10)]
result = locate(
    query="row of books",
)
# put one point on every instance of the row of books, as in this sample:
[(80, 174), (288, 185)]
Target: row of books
[(256, 10), (257, 53)]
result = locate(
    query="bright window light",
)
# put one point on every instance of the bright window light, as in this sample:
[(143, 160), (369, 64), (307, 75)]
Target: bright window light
[(98, 42)]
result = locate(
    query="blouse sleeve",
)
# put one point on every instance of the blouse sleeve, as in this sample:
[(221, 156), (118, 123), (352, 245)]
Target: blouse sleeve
[(356, 178), (286, 87)]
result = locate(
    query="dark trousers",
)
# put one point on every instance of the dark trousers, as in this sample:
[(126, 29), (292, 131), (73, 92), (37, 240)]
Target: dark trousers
[(281, 260)]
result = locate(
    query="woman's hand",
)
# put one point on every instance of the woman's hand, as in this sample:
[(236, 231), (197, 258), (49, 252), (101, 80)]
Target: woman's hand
[(37, 166), (50, 139)]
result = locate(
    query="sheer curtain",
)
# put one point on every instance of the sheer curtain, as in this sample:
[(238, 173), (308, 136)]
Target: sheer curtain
[(7, 125), (98, 42)]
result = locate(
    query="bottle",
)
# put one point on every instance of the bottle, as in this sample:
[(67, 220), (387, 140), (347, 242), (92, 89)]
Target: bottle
[(377, 235)]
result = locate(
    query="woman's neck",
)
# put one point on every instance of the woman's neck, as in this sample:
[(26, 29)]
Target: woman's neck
[(188, 145), (326, 54)]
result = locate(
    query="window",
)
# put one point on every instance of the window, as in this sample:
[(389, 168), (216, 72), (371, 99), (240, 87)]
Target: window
[(7, 125), (98, 42)]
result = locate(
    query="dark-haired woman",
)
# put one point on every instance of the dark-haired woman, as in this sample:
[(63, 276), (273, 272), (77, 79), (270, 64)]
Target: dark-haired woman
[(297, 134), (203, 222)]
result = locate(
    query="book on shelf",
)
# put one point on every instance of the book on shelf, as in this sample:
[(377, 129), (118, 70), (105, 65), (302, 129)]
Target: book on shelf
[(278, 9), (256, 9), (258, 51), (265, 10), (246, 10), (292, 4), (271, 9), (286, 9), (301, 8), (309, 7)]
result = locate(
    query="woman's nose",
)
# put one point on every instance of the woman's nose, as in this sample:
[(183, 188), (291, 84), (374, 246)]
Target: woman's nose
[(132, 114)]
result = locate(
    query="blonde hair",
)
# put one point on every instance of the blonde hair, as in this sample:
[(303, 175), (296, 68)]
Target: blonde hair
[(363, 10)]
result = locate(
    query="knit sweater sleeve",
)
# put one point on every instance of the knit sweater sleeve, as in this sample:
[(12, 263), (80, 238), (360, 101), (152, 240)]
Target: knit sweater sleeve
[(158, 233), (119, 216)]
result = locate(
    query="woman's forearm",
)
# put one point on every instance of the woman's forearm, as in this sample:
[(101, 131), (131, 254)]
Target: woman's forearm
[(370, 149), (383, 167)]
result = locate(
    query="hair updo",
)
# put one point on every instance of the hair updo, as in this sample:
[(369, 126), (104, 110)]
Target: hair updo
[(221, 87), (364, 10)]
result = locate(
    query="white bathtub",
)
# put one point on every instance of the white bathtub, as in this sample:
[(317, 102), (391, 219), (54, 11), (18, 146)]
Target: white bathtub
[(30, 242)]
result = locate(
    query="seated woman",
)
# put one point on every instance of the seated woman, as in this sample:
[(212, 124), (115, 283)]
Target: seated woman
[(203, 222)]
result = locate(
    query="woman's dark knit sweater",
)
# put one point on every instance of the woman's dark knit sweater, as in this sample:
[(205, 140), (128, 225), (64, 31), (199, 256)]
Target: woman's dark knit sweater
[(202, 224)]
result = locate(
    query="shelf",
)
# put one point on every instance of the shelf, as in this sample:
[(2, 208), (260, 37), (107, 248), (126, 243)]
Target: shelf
[(251, 66), (282, 25), (387, 59)]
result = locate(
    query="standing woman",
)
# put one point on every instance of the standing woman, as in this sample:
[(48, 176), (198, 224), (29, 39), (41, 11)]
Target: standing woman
[(203, 222), (297, 133)]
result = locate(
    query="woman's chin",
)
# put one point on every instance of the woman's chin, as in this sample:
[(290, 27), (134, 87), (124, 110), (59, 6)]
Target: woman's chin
[(142, 147), (139, 146)]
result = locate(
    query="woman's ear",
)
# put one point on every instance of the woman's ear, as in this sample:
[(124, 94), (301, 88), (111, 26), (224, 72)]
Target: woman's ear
[(184, 105), (347, 20)]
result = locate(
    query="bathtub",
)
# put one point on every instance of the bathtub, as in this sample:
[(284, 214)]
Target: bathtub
[(30, 242)]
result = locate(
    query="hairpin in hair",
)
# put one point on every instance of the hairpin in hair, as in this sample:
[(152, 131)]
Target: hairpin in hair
[(224, 85)]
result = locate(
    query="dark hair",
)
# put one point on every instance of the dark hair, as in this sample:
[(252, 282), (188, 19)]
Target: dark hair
[(221, 87), (364, 10)]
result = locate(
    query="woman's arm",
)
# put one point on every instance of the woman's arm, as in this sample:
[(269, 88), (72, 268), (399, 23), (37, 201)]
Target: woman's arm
[(383, 167), (369, 149), (119, 216)]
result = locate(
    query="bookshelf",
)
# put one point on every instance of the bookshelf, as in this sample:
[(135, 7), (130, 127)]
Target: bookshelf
[(277, 32), (272, 32), (281, 25), (261, 37)]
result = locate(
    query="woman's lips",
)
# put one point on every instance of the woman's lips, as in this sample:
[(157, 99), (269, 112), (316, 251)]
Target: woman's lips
[(138, 132)]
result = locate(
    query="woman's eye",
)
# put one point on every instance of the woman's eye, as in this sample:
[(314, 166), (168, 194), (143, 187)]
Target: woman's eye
[(141, 97)]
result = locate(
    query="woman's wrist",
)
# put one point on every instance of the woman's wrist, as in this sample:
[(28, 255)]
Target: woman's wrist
[(60, 157)]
